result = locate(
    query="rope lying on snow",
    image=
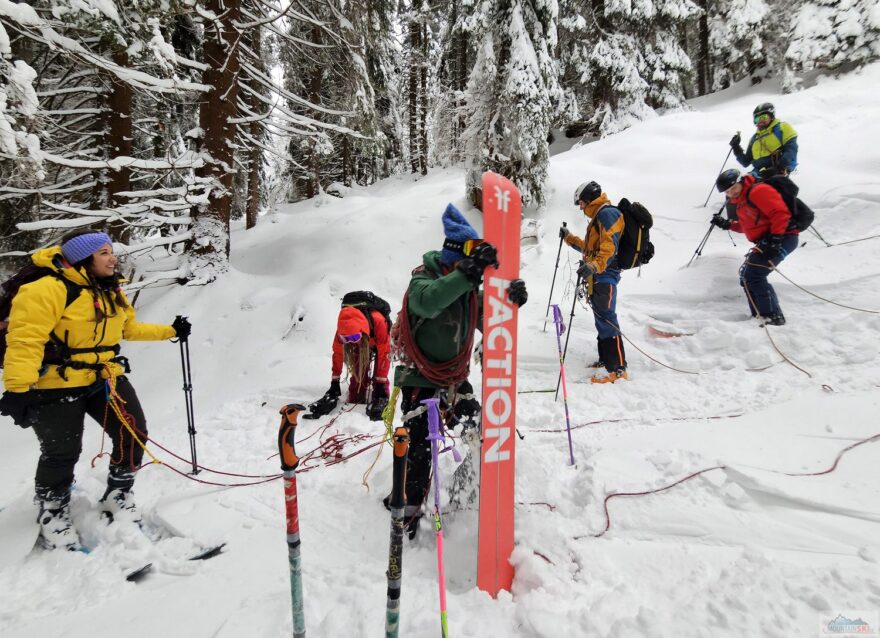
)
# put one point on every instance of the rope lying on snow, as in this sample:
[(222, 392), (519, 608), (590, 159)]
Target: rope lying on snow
[(613, 495)]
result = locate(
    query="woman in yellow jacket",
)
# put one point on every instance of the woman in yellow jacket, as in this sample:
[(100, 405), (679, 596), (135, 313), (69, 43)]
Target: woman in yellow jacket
[(62, 362)]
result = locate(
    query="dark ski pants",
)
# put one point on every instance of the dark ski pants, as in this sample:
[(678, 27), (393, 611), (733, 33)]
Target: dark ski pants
[(58, 420), (753, 275), (603, 301), (418, 460)]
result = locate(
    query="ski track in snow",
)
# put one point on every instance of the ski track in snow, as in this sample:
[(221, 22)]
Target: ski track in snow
[(741, 551)]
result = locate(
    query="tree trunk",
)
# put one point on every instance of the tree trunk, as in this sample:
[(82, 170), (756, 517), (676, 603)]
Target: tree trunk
[(255, 155), (118, 143), (315, 88), (414, 55), (423, 100), (461, 77), (704, 63), (209, 246)]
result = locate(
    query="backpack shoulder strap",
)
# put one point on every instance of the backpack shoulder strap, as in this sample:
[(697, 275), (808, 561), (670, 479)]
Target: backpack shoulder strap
[(368, 313), (777, 131), (72, 290)]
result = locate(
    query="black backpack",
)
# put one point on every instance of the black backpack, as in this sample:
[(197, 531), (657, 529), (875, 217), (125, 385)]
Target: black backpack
[(634, 248), (366, 301), (10, 287), (801, 214)]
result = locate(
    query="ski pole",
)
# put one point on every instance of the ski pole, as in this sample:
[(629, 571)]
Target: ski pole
[(816, 233), (577, 287), (560, 328), (719, 173), (699, 250), (395, 549), (187, 395), (553, 283), (289, 463), (436, 439)]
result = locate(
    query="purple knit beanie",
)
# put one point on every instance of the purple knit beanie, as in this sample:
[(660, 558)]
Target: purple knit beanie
[(82, 246)]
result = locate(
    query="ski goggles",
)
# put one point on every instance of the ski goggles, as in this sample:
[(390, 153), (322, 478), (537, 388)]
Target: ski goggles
[(762, 117), (465, 247), (350, 338)]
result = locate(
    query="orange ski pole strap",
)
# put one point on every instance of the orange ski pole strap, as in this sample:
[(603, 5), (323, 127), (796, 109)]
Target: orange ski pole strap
[(286, 433)]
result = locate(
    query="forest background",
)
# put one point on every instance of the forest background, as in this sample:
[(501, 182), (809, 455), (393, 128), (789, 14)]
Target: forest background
[(162, 120)]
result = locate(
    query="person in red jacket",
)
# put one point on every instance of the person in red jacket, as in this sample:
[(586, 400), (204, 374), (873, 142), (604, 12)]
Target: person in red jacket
[(764, 218), (359, 344)]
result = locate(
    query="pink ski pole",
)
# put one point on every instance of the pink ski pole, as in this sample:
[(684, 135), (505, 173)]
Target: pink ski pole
[(436, 438), (560, 328)]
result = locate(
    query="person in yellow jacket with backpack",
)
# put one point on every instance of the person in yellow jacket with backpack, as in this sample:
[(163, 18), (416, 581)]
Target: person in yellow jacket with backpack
[(62, 362), (773, 149)]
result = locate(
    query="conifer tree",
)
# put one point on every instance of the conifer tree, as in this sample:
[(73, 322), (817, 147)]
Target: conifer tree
[(512, 95), (832, 35)]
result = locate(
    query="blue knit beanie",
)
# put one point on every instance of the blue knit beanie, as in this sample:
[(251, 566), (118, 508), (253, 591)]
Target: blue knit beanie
[(82, 246), (457, 229)]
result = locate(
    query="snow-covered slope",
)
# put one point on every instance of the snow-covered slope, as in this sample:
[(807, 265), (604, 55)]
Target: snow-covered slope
[(750, 549)]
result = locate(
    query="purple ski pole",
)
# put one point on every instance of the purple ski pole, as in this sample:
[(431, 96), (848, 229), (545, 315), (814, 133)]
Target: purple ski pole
[(436, 439), (560, 328)]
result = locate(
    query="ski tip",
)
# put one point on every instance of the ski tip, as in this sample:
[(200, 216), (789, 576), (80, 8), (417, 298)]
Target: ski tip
[(209, 552), (139, 573)]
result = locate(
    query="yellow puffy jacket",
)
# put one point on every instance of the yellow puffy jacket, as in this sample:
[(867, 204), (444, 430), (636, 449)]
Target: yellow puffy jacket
[(38, 311)]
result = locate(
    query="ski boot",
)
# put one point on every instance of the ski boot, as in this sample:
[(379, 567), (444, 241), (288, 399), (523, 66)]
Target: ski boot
[(610, 377), (773, 320), (117, 504), (56, 527)]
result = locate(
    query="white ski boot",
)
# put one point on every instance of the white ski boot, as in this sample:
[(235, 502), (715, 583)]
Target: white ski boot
[(56, 527)]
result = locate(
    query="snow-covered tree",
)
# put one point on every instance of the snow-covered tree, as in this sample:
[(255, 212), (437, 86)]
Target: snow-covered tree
[(738, 31), (512, 95), (454, 54), (832, 35)]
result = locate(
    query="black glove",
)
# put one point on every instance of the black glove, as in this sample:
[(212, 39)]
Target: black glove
[(334, 392), (324, 405), (771, 246), (182, 327), (564, 232), (466, 405), (377, 406), (483, 256), (767, 171), (735, 143), (516, 292), (718, 220), (16, 404), (587, 269)]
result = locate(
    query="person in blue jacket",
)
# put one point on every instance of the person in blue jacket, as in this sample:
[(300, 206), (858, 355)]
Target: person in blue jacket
[(773, 148)]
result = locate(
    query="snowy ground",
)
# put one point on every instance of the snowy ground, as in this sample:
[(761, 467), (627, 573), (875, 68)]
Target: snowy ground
[(747, 550)]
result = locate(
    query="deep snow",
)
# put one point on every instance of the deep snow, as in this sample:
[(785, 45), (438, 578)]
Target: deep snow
[(742, 551)]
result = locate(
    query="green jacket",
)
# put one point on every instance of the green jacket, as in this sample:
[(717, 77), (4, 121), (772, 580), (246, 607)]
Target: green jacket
[(438, 316)]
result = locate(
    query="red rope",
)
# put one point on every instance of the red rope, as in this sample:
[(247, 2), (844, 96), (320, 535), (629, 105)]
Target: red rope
[(448, 373), (833, 467), (678, 418)]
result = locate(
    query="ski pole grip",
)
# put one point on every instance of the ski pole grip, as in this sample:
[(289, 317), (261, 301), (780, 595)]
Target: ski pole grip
[(401, 442), (433, 418), (287, 434)]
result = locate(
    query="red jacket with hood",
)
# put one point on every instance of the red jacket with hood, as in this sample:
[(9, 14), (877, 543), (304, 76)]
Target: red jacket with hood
[(765, 214)]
